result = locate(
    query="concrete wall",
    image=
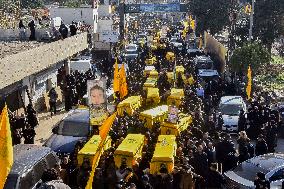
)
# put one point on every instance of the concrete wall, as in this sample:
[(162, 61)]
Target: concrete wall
[(103, 10), (13, 34), (104, 25), (15, 67)]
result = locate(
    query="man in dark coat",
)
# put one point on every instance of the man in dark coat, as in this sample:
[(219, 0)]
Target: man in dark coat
[(200, 161), (29, 135), (242, 121), (32, 29), (164, 180), (52, 100), (260, 182), (271, 137), (73, 29), (63, 30), (31, 116), (260, 146), (214, 178)]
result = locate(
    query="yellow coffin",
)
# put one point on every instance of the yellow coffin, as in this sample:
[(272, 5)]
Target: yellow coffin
[(170, 56), (129, 105), (151, 61), (168, 128), (175, 97), (129, 150), (153, 96), (150, 83), (164, 153), (91, 148), (148, 69), (154, 74), (157, 114), (180, 69), (171, 77)]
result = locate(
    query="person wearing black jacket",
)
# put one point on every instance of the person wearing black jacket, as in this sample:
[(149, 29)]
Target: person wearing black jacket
[(63, 30), (260, 146), (31, 116), (260, 182), (214, 178), (32, 29), (29, 135), (200, 161), (73, 29)]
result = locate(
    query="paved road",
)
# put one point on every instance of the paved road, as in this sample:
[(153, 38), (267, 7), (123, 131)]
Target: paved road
[(46, 123)]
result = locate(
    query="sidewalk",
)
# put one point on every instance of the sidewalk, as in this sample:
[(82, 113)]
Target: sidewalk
[(46, 123)]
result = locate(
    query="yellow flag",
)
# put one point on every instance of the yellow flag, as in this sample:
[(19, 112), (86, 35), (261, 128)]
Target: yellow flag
[(248, 89), (6, 147), (190, 19), (103, 133), (106, 126), (200, 42), (116, 77), (184, 33), (192, 24), (123, 91), (248, 9), (185, 24)]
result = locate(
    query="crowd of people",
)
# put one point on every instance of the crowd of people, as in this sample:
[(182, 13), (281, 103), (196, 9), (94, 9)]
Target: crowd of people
[(55, 33), (23, 127), (203, 152)]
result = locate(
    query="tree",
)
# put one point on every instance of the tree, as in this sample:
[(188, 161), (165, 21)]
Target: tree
[(267, 21), (212, 15), (72, 4), (32, 4), (253, 54)]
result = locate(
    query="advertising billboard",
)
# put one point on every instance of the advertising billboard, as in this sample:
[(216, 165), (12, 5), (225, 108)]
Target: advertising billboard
[(160, 7)]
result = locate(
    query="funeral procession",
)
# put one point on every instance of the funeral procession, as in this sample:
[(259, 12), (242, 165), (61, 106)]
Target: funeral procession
[(141, 94)]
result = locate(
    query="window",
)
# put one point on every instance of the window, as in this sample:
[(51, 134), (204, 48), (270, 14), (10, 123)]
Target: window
[(231, 109), (39, 169), (71, 128), (278, 175), (27, 181)]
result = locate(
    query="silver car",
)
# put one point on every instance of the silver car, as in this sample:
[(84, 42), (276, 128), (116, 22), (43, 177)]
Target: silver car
[(272, 165)]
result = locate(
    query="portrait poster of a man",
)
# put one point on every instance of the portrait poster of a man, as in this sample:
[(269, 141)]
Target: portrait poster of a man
[(97, 101)]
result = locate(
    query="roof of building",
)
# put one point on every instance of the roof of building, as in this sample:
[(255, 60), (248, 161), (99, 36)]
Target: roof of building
[(13, 47)]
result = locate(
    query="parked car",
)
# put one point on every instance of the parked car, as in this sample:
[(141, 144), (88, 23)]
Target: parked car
[(131, 52), (30, 161), (176, 44), (81, 64), (71, 130), (272, 165), (204, 62), (230, 107)]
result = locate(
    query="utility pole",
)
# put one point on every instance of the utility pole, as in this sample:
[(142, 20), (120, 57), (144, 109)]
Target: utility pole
[(251, 21)]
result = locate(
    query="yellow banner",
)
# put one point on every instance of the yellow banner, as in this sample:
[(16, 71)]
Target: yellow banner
[(103, 133), (248, 89), (122, 81), (6, 147)]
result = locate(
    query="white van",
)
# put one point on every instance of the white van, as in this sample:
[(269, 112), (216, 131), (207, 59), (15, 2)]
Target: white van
[(230, 107), (81, 64)]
